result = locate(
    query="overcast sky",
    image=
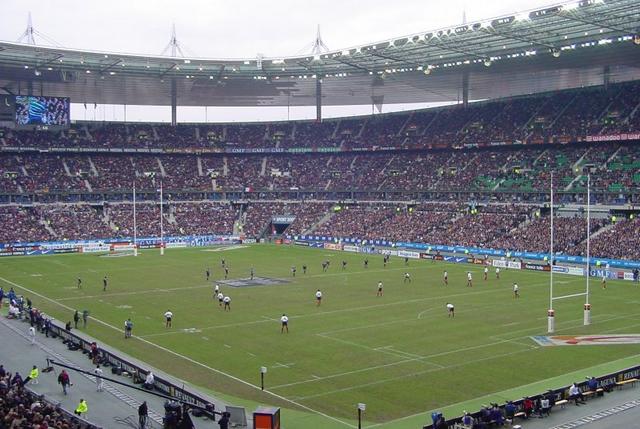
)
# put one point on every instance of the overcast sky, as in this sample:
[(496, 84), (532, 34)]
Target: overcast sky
[(238, 28)]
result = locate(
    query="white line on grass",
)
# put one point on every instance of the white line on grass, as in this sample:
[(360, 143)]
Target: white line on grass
[(488, 395), (188, 359), (324, 313)]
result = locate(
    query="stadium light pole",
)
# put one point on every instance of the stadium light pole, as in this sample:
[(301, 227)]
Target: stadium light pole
[(263, 371), (135, 224), (550, 313), (161, 223), (587, 305)]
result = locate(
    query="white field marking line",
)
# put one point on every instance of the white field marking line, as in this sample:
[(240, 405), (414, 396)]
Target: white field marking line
[(488, 395), (511, 324), (382, 350), (416, 359), (139, 292), (424, 311), (501, 336), (188, 359), (324, 313), (373, 383), (392, 322)]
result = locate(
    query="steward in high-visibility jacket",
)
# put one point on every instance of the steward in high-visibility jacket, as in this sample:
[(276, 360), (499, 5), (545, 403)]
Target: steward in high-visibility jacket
[(33, 375)]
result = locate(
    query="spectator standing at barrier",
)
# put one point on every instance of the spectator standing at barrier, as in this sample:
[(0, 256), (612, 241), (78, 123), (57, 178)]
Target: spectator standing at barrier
[(63, 380), (85, 317), (76, 318), (1, 296), (143, 412), (82, 408), (99, 380), (224, 421), (32, 335), (95, 352), (527, 407)]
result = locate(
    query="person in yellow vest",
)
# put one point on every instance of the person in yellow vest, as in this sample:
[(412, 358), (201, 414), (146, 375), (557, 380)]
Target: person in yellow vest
[(82, 408), (33, 375)]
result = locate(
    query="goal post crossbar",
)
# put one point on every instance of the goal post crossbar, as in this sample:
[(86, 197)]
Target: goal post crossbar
[(555, 298)]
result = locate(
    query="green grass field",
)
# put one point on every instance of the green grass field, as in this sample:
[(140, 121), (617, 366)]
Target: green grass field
[(400, 353)]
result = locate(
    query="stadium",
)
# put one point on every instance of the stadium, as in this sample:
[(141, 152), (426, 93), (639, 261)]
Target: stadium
[(460, 251)]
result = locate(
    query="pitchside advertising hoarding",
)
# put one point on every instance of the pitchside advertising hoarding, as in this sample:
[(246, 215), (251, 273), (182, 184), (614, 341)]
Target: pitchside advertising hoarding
[(95, 246), (475, 251), (468, 255)]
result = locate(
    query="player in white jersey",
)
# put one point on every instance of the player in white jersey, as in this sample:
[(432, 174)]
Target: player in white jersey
[(450, 310), (380, 286), (407, 278), (604, 282), (227, 303), (498, 273), (220, 297), (516, 291), (284, 320), (318, 297), (445, 278), (168, 316), (469, 279), (486, 273)]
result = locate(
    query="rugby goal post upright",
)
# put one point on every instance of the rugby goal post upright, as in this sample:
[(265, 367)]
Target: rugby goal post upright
[(552, 298), (161, 223), (587, 305), (135, 224)]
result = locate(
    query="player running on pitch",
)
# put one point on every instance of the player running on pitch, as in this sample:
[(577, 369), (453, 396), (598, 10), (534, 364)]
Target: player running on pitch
[(469, 279), (486, 273), (450, 310), (220, 297), (604, 282), (380, 286), (445, 278), (79, 283), (208, 273), (293, 271), (498, 273), (284, 320), (516, 290), (227, 303), (407, 278), (318, 298), (344, 265)]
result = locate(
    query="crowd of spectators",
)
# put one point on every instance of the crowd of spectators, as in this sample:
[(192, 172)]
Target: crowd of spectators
[(562, 116), (21, 408)]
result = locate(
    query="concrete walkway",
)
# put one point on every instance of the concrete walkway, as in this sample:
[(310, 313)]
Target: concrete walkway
[(114, 407)]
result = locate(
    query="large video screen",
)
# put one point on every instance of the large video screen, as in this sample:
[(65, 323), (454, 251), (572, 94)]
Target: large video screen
[(33, 110)]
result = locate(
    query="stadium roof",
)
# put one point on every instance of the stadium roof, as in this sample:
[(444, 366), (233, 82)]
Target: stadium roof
[(556, 47)]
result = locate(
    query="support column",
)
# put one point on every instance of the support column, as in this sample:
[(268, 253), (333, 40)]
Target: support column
[(174, 102), (606, 77), (30, 87), (319, 99), (465, 88)]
